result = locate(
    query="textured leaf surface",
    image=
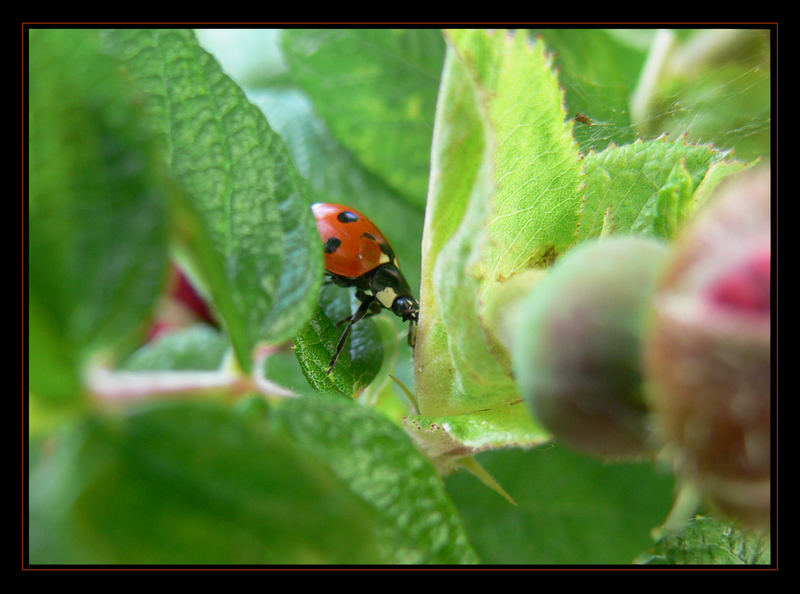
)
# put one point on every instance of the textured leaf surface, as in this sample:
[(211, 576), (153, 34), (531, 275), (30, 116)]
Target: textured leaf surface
[(505, 196), (361, 358), (255, 241), (378, 461), (537, 165), (376, 90), (709, 541), (649, 187), (192, 483), (335, 175), (462, 174), (97, 242)]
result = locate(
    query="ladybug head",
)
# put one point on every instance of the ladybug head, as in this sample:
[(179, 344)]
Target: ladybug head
[(390, 288), (406, 307)]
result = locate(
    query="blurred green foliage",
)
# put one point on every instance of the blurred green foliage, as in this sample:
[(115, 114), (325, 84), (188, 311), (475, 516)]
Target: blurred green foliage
[(148, 146)]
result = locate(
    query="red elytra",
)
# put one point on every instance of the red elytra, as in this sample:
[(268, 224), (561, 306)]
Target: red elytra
[(358, 255), (353, 244)]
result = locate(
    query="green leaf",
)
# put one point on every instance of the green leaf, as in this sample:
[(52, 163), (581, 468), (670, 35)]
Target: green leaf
[(376, 90), (250, 234), (284, 369), (460, 191), (708, 541), (97, 210), (493, 214), (570, 509), (199, 347), (380, 464), (599, 70), (332, 171), (649, 187), (447, 439), (361, 358), (192, 483), (53, 371), (537, 164), (337, 176)]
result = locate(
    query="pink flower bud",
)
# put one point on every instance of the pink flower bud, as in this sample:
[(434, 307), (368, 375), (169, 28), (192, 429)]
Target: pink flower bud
[(708, 349)]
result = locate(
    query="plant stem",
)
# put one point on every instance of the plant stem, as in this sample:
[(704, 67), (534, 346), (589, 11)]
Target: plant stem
[(642, 97), (111, 385)]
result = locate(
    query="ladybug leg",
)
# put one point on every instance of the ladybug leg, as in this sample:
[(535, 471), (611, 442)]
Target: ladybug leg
[(412, 333), (374, 307), (371, 312), (337, 280), (362, 311), (343, 320)]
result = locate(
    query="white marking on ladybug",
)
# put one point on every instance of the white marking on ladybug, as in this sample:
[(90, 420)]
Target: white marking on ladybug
[(386, 297)]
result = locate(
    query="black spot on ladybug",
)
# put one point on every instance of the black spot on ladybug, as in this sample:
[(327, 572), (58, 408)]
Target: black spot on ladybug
[(369, 236), (332, 245), (347, 216)]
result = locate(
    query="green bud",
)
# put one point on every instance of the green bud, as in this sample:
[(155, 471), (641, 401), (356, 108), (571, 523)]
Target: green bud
[(578, 346)]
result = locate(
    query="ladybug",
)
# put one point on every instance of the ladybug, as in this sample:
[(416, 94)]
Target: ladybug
[(358, 255)]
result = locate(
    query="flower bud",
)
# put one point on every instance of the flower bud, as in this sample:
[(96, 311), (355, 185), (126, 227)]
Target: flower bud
[(578, 347), (708, 349)]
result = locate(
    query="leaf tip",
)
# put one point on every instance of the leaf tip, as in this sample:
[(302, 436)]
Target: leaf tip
[(471, 464)]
